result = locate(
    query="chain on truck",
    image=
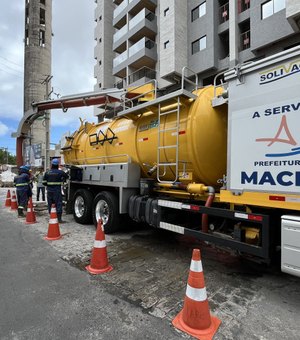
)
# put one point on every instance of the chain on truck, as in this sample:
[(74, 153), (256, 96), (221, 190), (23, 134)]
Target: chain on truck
[(218, 163)]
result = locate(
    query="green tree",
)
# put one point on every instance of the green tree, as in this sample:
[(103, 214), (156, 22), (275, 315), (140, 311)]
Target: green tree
[(6, 157)]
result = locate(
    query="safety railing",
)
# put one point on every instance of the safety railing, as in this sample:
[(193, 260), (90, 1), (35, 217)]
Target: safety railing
[(129, 100)]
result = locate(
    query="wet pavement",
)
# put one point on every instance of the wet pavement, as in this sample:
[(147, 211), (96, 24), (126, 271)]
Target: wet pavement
[(150, 270)]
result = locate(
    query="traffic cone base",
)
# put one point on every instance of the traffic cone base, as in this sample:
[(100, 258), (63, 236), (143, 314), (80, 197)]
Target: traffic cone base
[(205, 334), (98, 271), (52, 238)]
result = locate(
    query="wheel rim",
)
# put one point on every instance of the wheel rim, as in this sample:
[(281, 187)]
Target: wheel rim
[(102, 211), (79, 206)]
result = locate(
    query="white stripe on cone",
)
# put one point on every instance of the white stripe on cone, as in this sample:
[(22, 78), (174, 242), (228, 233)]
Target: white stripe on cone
[(28, 209), (196, 294), (53, 220), (196, 266), (53, 210), (99, 244)]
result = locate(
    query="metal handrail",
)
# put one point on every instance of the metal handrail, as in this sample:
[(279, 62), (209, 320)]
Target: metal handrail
[(222, 85), (130, 100), (103, 157), (191, 82)]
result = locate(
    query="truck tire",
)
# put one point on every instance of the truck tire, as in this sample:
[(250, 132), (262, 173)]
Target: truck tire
[(82, 206), (106, 207)]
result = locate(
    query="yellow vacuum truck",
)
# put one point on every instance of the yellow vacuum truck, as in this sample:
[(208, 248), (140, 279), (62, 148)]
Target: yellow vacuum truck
[(219, 163)]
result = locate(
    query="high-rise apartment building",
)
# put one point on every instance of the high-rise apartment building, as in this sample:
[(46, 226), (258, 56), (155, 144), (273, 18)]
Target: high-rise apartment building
[(138, 40), (37, 74)]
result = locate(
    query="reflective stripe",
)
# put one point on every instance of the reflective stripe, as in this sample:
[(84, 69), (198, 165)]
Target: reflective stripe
[(28, 209), (99, 244), (21, 207), (54, 183), (196, 294), (21, 184), (53, 220), (196, 266)]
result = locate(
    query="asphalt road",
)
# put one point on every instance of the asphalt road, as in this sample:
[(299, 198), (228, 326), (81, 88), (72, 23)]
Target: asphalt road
[(43, 297), (46, 293)]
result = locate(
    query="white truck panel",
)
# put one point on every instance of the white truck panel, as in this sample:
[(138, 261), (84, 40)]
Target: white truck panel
[(264, 125)]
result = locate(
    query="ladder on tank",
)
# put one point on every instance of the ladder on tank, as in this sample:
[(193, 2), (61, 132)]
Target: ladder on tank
[(162, 148)]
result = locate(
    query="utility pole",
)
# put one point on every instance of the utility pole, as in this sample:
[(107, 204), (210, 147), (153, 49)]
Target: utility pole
[(47, 124)]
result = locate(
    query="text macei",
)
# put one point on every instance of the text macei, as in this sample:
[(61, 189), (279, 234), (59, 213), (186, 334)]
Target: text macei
[(283, 178)]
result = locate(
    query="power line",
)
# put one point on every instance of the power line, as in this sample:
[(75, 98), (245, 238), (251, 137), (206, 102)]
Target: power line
[(12, 74), (11, 68), (11, 61)]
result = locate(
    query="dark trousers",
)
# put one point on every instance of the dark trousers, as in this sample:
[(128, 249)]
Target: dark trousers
[(40, 190), (55, 197), (22, 197)]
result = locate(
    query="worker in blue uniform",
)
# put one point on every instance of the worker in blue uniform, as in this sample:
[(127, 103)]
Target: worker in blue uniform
[(22, 184), (53, 180)]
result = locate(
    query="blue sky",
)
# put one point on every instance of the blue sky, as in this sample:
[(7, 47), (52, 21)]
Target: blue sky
[(72, 64)]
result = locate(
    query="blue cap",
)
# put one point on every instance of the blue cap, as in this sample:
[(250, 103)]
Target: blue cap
[(28, 166), (55, 161), (24, 168)]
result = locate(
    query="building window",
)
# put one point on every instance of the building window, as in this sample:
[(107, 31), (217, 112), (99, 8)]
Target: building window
[(100, 18), (100, 85), (42, 17), (166, 44), (199, 45), (43, 2), (100, 62), (100, 40), (42, 38), (166, 11), (199, 11), (26, 37), (270, 7)]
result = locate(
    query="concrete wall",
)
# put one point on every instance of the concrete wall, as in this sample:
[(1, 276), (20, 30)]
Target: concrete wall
[(37, 61)]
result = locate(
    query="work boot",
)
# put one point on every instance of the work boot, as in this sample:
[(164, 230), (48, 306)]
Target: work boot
[(60, 219), (20, 212)]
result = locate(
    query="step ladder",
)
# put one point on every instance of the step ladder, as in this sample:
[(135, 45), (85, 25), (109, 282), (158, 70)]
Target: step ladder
[(162, 165)]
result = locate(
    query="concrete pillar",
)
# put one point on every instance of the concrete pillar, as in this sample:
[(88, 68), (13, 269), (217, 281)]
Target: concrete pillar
[(233, 33)]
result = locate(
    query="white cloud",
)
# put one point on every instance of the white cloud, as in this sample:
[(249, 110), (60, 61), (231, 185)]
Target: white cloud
[(3, 129), (72, 57)]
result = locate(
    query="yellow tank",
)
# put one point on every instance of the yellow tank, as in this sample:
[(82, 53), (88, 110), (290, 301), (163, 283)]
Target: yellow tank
[(202, 141)]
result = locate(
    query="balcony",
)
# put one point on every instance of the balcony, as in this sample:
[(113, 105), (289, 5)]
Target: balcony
[(144, 24), (243, 5), (142, 75), (245, 40), (143, 53), (224, 13)]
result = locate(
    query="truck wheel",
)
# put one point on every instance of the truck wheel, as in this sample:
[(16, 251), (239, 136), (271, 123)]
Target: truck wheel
[(106, 207), (82, 207)]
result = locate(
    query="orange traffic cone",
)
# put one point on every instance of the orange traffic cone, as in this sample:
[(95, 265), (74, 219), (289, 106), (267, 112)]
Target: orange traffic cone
[(195, 318), (99, 262), (8, 200), (14, 204), (53, 227), (30, 216)]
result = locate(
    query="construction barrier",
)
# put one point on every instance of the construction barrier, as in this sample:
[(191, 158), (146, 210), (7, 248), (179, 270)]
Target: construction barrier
[(8, 199), (195, 318), (99, 262), (53, 227), (30, 216)]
